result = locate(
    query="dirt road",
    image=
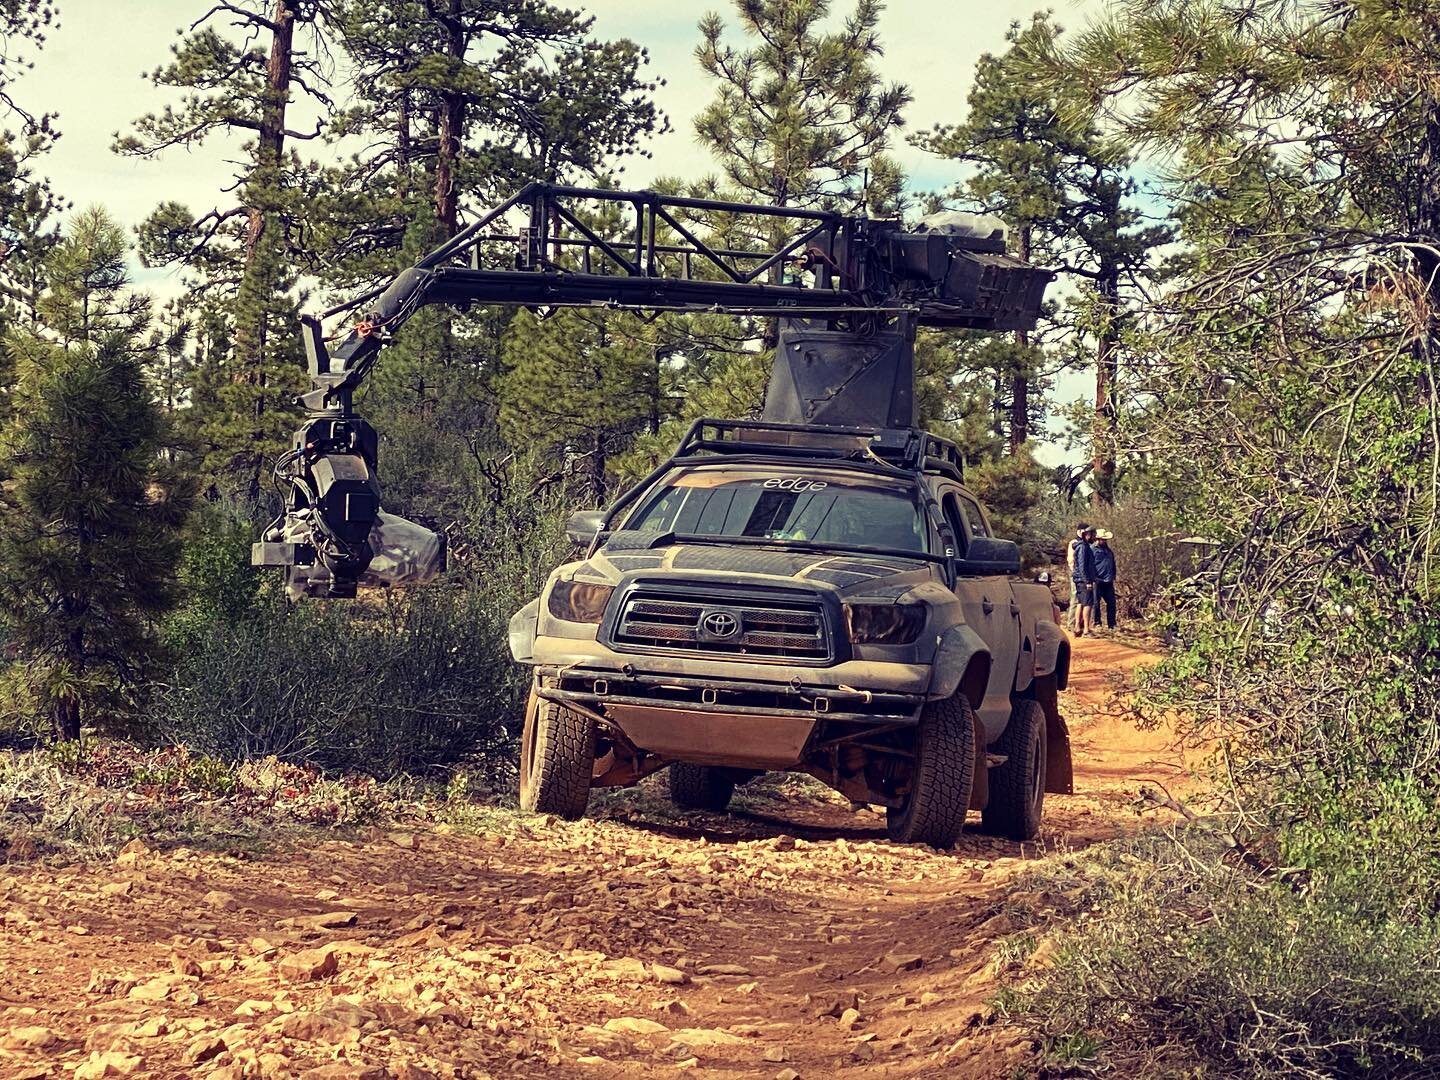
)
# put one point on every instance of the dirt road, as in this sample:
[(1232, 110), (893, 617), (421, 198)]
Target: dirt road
[(788, 939)]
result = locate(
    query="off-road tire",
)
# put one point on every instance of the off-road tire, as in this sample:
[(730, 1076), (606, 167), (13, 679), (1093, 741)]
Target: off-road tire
[(944, 768), (700, 787), (1017, 788), (557, 757)]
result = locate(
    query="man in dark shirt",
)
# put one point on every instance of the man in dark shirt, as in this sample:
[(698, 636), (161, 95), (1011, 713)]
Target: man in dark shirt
[(1102, 557), (1082, 577)]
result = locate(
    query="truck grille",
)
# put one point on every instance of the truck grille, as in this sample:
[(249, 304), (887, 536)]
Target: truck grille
[(781, 629)]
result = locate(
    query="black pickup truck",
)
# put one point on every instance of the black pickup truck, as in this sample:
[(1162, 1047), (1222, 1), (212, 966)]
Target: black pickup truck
[(815, 599)]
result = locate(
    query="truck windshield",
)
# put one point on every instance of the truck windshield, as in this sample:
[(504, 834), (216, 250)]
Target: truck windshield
[(821, 508)]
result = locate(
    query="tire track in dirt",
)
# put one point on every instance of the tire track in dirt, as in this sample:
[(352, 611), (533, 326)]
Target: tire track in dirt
[(788, 938)]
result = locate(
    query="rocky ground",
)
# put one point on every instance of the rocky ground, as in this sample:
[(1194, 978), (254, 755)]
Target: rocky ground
[(787, 940)]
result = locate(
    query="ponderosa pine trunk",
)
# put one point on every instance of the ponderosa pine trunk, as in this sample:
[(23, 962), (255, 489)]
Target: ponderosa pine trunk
[(270, 136), (451, 125), (269, 150), (1107, 358), (65, 710), (1020, 379)]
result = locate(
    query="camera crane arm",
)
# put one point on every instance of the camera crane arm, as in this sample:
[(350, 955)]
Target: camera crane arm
[(857, 290)]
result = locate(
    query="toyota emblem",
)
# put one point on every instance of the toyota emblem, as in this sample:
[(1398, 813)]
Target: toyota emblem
[(720, 624)]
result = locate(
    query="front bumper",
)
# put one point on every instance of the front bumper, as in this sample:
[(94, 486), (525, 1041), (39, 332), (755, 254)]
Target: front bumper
[(852, 689), (717, 711)]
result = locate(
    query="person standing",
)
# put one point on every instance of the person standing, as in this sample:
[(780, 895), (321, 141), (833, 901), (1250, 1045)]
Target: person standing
[(1082, 578), (1102, 557)]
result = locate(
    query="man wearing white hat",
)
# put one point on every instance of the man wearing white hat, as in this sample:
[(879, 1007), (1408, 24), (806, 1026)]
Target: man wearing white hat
[(1104, 587)]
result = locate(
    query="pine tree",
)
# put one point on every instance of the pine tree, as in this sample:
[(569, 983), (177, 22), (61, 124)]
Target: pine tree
[(458, 103), (799, 116), (1068, 196), (581, 384), (28, 233), (89, 528), (461, 102), (1017, 147), (1110, 252), (464, 97), (24, 22), (247, 253), (172, 366), (27, 204), (27, 236)]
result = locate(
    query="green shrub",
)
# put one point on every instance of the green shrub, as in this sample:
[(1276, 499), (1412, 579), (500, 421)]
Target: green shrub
[(218, 583), (413, 681), (389, 682), (87, 799), (21, 711), (1186, 965), (1010, 487)]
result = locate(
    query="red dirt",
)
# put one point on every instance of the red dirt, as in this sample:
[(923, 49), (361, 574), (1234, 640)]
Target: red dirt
[(506, 950)]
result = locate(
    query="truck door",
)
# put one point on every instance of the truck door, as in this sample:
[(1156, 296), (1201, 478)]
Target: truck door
[(990, 609)]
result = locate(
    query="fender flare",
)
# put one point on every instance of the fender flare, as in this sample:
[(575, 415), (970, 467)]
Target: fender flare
[(523, 626), (1052, 653), (961, 663)]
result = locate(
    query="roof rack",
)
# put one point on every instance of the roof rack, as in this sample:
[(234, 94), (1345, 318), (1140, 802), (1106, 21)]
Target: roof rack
[(908, 449)]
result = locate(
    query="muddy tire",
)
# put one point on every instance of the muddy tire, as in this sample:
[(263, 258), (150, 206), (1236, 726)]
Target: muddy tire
[(934, 809), (1017, 788), (699, 787), (557, 757)]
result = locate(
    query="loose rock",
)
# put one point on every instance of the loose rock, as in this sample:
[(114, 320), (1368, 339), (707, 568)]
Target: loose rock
[(308, 964), (219, 900), (897, 962), (112, 1063), (318, 1027), (29, 1038), (635, 1025), (722, 969)]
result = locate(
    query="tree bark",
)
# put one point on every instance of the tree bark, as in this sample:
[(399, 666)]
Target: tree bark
[(402, 137), (66, 718), (270, 140), (1107, 357), (451, 125), (597, 469), (250, 327), (1020, 379), (65, 711)]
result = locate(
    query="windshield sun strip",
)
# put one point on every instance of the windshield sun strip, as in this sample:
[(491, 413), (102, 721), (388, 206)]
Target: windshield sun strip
[(802, 545)]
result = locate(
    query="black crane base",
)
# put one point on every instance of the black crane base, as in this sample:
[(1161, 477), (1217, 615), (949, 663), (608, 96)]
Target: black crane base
[(839, 378)]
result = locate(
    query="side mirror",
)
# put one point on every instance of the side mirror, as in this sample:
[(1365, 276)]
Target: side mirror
[(987, 555), (582, 525)]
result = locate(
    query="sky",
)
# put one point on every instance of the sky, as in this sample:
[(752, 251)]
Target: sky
[(91, 71)]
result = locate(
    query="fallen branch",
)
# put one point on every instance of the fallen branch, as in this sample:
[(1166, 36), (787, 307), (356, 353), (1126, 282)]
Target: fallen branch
[(1263, 867)]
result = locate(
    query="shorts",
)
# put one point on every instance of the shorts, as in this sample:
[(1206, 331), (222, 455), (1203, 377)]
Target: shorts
[(1082, 594)]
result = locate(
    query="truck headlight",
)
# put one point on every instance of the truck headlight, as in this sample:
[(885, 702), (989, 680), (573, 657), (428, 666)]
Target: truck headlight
[(884, 624), (579, 601)]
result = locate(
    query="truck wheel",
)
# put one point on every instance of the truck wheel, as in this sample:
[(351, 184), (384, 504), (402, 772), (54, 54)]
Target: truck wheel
[(557, 756), (1017, 788), (699, 787), (944, 765)]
